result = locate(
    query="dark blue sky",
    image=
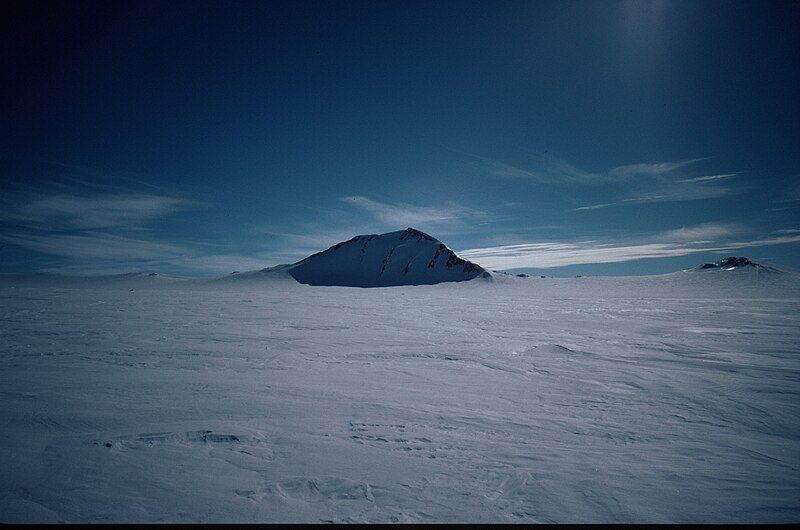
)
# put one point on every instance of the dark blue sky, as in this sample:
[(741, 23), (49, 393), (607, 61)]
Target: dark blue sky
[(593, 137)]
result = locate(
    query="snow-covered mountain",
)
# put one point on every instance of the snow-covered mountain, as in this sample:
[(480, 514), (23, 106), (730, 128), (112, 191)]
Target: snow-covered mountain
[(404, 257), (734, 263)]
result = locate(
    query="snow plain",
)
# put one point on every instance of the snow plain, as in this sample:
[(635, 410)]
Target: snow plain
[(661, 399)]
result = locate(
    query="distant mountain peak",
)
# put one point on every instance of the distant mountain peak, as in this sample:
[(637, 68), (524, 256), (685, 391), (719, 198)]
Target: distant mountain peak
[(403, 257), (734, 263)]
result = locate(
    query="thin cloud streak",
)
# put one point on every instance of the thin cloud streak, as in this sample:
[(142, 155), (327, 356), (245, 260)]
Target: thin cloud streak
[(104, 211), (653, 169), (91, 231), (708, 178), (75, 204), (703, 233), (401, 215), (496, 167), (669, 194), (553, 169), (544, 256), (560, 254), (653, 181), (96, 253), (96, 245)]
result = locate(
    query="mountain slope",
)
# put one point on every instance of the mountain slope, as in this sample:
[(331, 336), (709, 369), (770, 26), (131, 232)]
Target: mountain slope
[(734, 263), (404, 257)]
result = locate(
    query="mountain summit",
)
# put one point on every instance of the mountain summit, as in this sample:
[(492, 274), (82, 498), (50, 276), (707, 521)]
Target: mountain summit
[(734, 263), (404, 257)]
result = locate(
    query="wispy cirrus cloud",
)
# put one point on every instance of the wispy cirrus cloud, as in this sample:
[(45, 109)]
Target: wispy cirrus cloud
[(652, 169), (708, 178), (542, 169), (85, 227), (496, 167), (669, 193), (92, 252), (400, 215), (77, 221), (704, 232), (557, 254), (658, 183), (551, 169), (96, 211), (95, 245), (678, 242), (629, 184)]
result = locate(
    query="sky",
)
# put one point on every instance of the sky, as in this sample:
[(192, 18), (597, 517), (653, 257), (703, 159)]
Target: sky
[(584, 137)]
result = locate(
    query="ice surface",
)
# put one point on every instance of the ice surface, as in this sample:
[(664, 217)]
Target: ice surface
[(660, 399)]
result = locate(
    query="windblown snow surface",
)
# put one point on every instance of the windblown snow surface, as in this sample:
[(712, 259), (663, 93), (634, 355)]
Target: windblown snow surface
[(653, 399)]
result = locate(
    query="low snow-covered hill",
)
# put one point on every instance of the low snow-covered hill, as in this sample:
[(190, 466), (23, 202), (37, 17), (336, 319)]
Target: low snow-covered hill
[(404, 257), (127, 279)]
